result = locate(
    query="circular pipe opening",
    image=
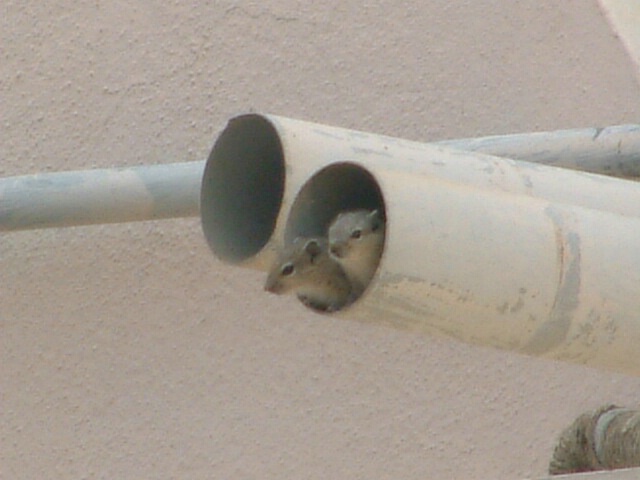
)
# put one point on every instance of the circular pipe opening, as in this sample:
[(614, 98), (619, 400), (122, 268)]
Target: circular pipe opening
[(242, 188), (337, 188)]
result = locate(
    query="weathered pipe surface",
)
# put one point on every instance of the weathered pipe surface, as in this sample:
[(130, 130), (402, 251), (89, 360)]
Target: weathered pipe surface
[(491, 251)]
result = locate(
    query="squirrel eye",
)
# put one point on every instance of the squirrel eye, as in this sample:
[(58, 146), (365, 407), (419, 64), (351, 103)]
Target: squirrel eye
[(356, 234), (287, 269)]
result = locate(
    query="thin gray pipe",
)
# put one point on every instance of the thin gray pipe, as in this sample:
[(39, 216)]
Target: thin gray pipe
[(612, 151), (140, 193), (89, 197)]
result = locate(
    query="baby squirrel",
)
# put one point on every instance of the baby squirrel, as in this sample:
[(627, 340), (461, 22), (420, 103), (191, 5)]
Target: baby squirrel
[(356, 239), (306, 268)]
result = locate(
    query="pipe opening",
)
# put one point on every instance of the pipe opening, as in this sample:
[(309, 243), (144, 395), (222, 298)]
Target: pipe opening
[(242, 188), (337, 189)]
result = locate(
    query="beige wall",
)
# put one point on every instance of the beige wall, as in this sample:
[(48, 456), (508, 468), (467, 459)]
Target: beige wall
[(128, 351)]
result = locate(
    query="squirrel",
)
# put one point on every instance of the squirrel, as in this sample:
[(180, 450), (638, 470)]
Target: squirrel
[(306, 269), (356, 239)]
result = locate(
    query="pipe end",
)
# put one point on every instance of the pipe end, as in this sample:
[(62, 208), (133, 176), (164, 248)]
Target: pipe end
[(343, 188), (242, 188)]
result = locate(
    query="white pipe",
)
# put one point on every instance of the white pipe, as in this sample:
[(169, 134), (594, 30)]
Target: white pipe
[(100, 196), (490, 251)]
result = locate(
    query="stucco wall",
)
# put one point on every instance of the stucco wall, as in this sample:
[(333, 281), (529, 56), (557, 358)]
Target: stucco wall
[(128, 351)]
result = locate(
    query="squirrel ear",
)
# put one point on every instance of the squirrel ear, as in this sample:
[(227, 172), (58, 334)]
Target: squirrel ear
[(312, 247), (376, 219)]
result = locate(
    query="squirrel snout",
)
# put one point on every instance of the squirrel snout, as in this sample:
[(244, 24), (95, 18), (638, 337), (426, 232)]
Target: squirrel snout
[(337, 250), (273, 287)]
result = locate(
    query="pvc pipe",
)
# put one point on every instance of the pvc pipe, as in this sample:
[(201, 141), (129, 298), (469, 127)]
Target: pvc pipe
[(167, 191), (613, 151), (486, 250), (100, 196)]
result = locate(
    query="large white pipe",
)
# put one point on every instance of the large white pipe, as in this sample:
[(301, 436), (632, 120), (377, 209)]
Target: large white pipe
[(172, 190), (490, 251)]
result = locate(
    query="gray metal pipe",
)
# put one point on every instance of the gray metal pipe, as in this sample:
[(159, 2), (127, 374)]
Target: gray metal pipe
[(487, 250), (167, 191), (613, 151), (87, 197)]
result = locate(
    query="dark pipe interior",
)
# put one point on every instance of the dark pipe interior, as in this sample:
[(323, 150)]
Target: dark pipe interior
[(336, 188), (242, 188)]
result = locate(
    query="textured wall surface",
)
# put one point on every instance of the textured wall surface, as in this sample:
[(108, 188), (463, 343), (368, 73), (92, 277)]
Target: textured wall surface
[(624, 17), (129, 351)]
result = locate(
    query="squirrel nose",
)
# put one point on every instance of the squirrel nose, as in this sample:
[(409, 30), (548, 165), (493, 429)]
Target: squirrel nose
[(336, 250), (272, 287)]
